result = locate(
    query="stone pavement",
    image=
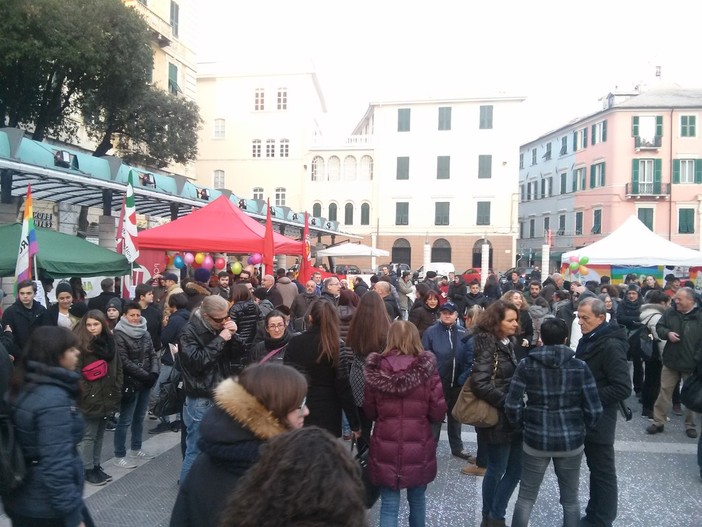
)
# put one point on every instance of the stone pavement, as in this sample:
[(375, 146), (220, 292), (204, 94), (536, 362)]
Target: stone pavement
[(659, 484)]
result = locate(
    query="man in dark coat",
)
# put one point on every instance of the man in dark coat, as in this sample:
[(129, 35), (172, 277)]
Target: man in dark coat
[(475, 297), (604, 348), (24, 316), (383, 290), (443, 339), (302, 302), (108, 293)]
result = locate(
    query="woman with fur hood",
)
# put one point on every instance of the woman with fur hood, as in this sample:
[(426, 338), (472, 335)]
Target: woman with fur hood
[(403, 395), (265, 401)]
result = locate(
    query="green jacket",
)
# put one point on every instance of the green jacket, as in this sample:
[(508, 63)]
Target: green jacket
[(684, 354)]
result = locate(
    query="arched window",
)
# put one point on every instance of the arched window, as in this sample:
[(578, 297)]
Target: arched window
[(441, 251), (349, 168), (332, 212), (317, 210), (365, 214), (478, 254), (334, 168), (317, 169), (348, 214), (366, 173), (402, 251)]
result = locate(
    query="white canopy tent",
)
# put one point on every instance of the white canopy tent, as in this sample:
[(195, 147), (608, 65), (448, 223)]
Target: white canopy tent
[(352, 249), (634, 244)]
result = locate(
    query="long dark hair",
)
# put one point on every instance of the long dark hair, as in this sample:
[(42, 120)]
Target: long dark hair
[(322, 313), (369, 326), (85, 338), (46, 345)]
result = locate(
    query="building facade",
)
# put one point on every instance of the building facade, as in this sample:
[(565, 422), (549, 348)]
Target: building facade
[(640, 155), (425, 180)]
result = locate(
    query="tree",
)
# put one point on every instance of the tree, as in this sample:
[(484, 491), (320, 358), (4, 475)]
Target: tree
[(62, 59)]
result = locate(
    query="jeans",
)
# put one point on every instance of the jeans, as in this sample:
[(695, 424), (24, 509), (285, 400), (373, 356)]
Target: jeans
[(390, 506), (568, 473), (481, 456), (699, 454), (501, 477), (669, 378), (27, 521), (131, 413), (163, 376), (453, 427), (601, 509), (194, 410), (90, 447)]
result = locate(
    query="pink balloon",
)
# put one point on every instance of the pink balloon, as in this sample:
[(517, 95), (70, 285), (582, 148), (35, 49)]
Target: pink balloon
[(256, 258), (220, 263), (573, 258), (188, 258), (208, 262)]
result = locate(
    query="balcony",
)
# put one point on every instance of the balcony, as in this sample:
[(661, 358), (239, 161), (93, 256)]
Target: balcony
[(161, 29), (647, 143), (647, 190)]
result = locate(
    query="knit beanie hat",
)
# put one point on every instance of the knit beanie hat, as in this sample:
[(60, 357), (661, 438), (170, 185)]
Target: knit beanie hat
[(63, 287), (115, 303), (201, 275), (261, 293), (633, 287)]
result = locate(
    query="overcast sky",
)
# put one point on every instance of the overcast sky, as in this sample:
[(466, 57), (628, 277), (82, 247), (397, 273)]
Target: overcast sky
[(562, 57)]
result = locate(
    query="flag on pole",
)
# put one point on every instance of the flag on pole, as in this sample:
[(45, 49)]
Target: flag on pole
[(28, 241), (268, 245), (128, 220), (305, 272)]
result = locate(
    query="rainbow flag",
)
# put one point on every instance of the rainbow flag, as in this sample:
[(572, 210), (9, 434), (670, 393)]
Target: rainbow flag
[(28, 241)]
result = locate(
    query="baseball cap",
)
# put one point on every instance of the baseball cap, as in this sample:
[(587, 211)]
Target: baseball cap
[(449, 306), (169, 276)]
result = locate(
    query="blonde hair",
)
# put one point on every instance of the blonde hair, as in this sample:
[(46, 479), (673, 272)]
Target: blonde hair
[(403, 337), (472, 316)]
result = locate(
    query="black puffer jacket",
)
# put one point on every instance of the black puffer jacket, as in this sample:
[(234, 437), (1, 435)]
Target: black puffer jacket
[(457, 293), (230, 436), (629, 313), (101, 397), (423, 317), (171, 333), (494, 392), (246, 314), (136, 353), (205, 358)]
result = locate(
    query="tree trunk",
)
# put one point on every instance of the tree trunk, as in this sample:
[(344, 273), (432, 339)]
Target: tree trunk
[(104, 146)]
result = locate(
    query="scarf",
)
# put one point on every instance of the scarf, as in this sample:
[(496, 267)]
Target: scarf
[(135, 331)]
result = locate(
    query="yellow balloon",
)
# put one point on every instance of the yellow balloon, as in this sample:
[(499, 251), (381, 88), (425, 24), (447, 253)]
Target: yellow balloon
[(199, 258), (583, 270)]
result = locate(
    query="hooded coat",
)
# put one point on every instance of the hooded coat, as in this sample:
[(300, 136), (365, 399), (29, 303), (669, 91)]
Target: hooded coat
[(136, 352), (421, 316), (403, 395), (231, 434), (562, 399), (101, 397), (287, 290)]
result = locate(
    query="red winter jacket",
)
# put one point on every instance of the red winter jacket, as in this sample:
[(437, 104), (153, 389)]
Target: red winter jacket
[(403, 395)]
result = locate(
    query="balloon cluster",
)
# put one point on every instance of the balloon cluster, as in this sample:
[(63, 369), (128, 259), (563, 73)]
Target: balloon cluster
[(197, 260), (578, 265)]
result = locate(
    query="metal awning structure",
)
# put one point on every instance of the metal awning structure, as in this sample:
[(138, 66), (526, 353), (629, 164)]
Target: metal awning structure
[(60, 174)]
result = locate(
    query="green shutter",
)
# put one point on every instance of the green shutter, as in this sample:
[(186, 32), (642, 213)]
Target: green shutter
[(698, 170), (593, 175), (659, 125), (585, 137), (657, 167), (634, 176), (603, 174), (604, 130), (575, 181), (635, 126), (676, 170), (593, 134), (575, 141), (692, 125)]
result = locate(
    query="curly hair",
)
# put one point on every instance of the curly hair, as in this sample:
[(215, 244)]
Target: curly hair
[(493, 316), (304, 478)]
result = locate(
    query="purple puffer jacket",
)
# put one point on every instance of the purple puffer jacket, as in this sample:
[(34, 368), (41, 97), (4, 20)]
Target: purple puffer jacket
[(403, 395)]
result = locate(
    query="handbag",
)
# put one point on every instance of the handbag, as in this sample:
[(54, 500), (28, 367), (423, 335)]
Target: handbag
[(691, 391), (171, 396), (372, 491), (471, 410), (95, 370)]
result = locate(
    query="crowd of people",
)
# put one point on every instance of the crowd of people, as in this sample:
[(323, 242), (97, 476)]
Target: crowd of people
[(381, 364)]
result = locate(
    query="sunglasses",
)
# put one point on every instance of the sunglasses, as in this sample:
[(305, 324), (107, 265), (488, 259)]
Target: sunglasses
[(218, 320), (301, 408)]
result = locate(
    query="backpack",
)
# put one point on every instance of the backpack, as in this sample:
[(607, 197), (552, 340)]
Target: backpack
[(13, 468), (642, 343)]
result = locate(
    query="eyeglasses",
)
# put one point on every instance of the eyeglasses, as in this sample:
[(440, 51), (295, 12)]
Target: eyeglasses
[(218, 320), (301, 408), (276, 326)]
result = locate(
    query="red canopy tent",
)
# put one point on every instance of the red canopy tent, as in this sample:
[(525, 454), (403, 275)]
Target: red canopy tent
[(219, 226)]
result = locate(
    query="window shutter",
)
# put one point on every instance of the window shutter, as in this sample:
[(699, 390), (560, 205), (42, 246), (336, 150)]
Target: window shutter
[(594, 135), (692, 125), (593, 174), (698, 170), (575, 141), (635, 126), (634, 176), (585, 137), (659, 125), (657, 165), (676, 170), (603, 174), (604, 130), (575, 181)]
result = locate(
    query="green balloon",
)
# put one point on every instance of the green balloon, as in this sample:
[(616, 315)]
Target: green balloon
[(574, 266), (236, 268), (584, 260)]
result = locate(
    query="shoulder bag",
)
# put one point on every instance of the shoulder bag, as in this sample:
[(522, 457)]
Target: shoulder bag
[(691, 391), (471, 410)]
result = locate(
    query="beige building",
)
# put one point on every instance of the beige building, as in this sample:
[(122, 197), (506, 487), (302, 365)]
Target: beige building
[(257, 130), (426, 180)]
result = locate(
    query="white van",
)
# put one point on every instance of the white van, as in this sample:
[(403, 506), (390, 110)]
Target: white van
[(440, 268)]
